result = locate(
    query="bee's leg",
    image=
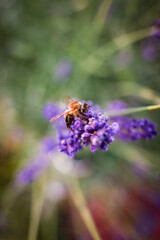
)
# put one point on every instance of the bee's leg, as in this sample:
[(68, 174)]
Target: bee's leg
[(82, 117), (68, 120)]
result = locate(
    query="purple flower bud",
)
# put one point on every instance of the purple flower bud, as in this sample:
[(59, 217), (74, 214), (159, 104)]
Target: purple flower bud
[(85, 136), (86, 143), (103, 146), (63, 142), (94, 125), (102, 124), (100, 132), (89, 129), (93, 148), (95, 140), (115, 127)]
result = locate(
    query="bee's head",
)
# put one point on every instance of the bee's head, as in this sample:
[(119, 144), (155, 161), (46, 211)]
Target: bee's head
[(85, 107)]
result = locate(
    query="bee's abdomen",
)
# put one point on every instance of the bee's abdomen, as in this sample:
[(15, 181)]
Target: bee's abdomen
[(68, 120)]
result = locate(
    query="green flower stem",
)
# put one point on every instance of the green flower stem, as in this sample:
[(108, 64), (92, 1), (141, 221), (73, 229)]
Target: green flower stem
[(132, 110), (100, 17), (36, 207), (80, 203)]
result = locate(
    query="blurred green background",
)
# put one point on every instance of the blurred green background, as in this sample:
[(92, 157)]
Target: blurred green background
[(91, 50)]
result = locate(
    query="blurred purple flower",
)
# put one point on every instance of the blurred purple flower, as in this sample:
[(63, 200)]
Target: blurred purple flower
[(37, 166), (33, 170), (156, 28), (132, 129), (157, 23), (63, 69), (152, 45), (50, 110), (150, 50), (48, 144), (116, 105)]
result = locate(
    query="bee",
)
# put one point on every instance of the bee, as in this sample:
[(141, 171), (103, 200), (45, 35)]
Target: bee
[(75, 108)]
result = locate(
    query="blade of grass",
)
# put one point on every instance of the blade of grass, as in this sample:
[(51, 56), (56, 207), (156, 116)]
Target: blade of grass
[(100, 17), (96, 59), (36, 207), (80, 203)]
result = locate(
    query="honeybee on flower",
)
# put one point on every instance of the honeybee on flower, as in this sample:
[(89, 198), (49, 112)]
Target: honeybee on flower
[(75, 108)]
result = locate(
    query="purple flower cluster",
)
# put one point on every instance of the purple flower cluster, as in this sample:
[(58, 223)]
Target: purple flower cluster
[(95, 131), (132, 129)]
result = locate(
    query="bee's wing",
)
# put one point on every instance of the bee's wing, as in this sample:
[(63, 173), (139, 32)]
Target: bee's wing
[(67, 100), (59, 115)]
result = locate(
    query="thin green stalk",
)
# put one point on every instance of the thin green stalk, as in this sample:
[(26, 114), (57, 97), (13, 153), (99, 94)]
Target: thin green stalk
[(97, 58), (36, 207), (132, 110), (80, 203), (100, 17)]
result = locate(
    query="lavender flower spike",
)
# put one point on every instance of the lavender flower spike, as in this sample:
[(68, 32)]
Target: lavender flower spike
[(33, 170), (132, 129), (95, 131), (37, 165)]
